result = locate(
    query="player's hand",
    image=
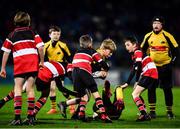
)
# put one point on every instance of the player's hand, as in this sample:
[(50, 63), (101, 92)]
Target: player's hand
[(100, 74), (3, 73), (124, 85), (104, 74), (41, 65)]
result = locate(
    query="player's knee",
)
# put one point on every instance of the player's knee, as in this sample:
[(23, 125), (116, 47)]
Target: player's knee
[(30, 93), (85, 98), (88, 94), (52, 89), (134, 94)]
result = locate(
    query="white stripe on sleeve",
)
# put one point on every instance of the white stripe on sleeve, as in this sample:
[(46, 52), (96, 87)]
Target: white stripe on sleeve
[(6, 50), (52, 68)]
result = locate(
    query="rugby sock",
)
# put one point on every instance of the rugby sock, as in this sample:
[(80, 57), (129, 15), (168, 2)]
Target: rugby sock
[(152, 107), (143, 102), (100, 105), (119, 93), (169, 109), (82, 107), (10, 96), (139, 103), (30, 106), (17, 106), (39, 104), (152, 99), (53, 102)]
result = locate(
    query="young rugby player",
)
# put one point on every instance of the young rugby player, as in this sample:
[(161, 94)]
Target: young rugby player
[(27, 47), (142, 66)]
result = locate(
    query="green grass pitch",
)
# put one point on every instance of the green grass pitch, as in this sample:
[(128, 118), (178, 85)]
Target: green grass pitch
[(127, 119)]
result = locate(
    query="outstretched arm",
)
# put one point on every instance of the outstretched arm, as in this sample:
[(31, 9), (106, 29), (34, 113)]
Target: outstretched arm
[(63, 89)]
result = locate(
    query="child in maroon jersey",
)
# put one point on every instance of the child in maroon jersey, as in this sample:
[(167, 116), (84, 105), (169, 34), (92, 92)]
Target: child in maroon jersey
[(142, 66), (27, 48)]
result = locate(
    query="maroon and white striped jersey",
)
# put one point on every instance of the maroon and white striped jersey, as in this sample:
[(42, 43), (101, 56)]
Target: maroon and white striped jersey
[(23, 42), (84, 57), (148, 66), (51, 70)]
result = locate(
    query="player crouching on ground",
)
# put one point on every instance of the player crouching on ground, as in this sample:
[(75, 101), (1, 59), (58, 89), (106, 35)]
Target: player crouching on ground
[(144, 66), (114, 109)]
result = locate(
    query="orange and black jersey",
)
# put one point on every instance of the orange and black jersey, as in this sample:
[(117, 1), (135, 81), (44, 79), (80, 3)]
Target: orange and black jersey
[(161, 47)]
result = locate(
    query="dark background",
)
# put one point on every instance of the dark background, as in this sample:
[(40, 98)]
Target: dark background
[(99, 18)]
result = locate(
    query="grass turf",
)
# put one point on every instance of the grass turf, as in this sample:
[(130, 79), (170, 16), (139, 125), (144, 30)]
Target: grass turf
[(127, 119)]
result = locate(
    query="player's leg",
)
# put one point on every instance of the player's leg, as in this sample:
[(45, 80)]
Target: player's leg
[(166, 84), (7, 98), (80, 78), (139, 103), (169, 102), (30, 99), (17, 100), (41, 101), (75, 114), (82, 107), (115, 110), (100, 105), (64, 104), (106, 94), (92, 86), (152, 101), (44, 88), (119, 98), (52, 98), (68, 97)]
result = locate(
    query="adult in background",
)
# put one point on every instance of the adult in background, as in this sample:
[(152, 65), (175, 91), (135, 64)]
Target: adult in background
[(162, 48)]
